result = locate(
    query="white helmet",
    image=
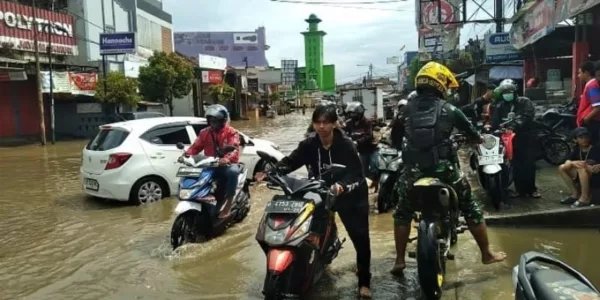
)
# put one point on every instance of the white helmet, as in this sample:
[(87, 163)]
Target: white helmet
[(412, 95), (402, 102)]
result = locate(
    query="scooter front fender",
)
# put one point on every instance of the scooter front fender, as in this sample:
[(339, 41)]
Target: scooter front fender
[(384, 177), (184, 206), (491, 169)]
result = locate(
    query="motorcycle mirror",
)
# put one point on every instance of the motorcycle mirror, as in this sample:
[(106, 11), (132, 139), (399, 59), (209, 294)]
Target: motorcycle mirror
[(511, 115), (266, 157), (180, 146)]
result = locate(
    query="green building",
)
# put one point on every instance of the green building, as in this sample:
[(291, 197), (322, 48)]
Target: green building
[(315, 70)]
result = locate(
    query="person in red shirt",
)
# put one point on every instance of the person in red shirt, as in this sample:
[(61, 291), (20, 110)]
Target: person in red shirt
[(588, 113), (217, 135)]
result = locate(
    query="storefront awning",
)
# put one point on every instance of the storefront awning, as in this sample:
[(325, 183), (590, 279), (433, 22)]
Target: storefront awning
[(12, 64)]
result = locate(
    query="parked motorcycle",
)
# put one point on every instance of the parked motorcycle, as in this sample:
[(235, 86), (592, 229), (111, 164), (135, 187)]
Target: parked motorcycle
[(561, 120), (297, 233), (200, 199), (438, 228), (552, 147), (491, 160), (552, 280), (389, 162)]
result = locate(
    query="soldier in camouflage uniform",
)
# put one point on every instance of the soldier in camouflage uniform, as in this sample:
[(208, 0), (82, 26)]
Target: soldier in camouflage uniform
[(427, 124)]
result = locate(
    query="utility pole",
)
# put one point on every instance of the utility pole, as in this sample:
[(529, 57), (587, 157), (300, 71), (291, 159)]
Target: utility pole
[(499, 15), (38, 81)]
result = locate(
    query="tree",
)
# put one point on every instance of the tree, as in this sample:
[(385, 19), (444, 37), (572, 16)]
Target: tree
[(274, 96), (119, 89), (167, 76), (463, 63), (220, 93), (413, 69)]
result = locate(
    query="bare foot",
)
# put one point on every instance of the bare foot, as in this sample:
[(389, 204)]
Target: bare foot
[(398, 269), (493, 257), (364, 292)]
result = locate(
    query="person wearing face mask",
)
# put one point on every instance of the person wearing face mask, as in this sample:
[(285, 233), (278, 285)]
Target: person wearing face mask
[(361, 131), (217, 135), (524, 171)]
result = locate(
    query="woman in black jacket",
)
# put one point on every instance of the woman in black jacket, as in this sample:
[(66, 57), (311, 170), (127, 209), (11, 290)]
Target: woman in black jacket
[(328, 145)]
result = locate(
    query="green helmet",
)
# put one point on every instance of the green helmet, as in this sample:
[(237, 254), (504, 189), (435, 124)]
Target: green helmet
[(507, 89)]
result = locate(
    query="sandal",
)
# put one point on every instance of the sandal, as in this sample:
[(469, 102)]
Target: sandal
[(579, 204), (535, 195), (569, 200)]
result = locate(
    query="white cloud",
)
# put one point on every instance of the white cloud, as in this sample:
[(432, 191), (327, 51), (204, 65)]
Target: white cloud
[(354, 36)]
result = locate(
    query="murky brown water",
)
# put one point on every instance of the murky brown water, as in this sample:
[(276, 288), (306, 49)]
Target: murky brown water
[(57, 244)]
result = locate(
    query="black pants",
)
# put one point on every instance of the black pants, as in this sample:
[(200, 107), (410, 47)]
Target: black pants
[(594, 128), (355, 218), (524, 170)]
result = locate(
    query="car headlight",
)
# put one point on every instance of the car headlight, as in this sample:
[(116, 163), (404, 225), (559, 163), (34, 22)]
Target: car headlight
[(185, 194), (489, 141)]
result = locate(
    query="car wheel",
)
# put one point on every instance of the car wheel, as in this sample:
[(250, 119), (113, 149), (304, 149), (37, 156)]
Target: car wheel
[(259, 167), (148, 189)]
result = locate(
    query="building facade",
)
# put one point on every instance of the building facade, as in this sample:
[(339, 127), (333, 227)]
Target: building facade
[(241, 49), (313, 51)]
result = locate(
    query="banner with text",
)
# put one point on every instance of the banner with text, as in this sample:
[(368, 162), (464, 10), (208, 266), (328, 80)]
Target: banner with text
[(498, 48), (534, 25)]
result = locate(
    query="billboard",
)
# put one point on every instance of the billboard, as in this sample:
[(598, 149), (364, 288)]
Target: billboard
[(117, 43), (16, 29), (499, 48), (438, 25), (289, 68), (212, 62)]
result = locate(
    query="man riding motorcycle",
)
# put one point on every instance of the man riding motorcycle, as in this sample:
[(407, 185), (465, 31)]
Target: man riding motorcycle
[(357, 124), (427, 123), (217, 135), (524, 158)]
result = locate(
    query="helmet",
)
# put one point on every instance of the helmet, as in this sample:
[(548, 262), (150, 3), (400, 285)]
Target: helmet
[(507, 89), (412, 95), (437, 76), (402, 102), (217, 111), (355, 110)]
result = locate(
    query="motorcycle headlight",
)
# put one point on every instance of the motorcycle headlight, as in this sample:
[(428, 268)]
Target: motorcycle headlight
[(302, 229), (185, 194), (489, 142), (275, 236)]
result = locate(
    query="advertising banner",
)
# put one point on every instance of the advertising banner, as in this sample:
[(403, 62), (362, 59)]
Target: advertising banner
[(212, 77), (118, 43), (566, 9), (212, 62), (534, 25), (17, 28), (288, 72), (498, 48), (83, 83), (438, 24), (60, 80)]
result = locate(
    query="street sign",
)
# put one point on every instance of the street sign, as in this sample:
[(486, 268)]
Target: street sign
[(117, 43)]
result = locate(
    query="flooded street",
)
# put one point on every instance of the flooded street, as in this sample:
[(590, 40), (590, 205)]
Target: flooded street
[(55, 243)]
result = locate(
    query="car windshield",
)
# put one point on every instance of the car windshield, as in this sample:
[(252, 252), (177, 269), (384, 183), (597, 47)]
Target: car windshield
[(107, 138)]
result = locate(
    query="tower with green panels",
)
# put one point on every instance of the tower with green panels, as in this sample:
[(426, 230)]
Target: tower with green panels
[(313, 51)]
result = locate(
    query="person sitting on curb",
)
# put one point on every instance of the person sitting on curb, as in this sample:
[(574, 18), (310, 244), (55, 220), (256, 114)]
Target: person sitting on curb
[(581, 166)]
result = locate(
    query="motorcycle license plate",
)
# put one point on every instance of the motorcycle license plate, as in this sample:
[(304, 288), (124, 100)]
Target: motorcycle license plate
[(284, 207), (491, 160), (388, 151), (91, 184), (188, 172)]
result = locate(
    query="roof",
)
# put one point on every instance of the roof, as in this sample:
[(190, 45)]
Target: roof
[(222, 44)]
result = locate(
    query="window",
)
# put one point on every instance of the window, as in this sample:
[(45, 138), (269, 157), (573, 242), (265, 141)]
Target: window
[(107, 139), (198, 127), (167, 136)]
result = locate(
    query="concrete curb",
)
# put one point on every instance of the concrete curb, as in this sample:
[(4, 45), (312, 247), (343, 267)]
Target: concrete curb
[(588, 217)]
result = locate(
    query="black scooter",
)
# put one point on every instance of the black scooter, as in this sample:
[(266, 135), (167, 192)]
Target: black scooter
[(554, 280), (561, 119), (389, 162)]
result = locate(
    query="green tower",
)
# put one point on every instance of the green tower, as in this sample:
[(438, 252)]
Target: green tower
[(313, 51)]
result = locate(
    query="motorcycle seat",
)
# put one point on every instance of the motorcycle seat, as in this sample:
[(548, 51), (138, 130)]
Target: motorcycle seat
[(297, 184), (550, 284)]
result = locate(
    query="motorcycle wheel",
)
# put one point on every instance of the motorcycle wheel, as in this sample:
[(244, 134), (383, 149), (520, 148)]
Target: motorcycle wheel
[(385, 197), (430, 266), (185, 229), (498, 194), (276, 286), (556, 151)]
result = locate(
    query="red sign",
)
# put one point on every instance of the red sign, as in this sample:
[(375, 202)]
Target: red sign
[(212, 77), (534, 25), (83, 83), (429, 16), (17, 27)]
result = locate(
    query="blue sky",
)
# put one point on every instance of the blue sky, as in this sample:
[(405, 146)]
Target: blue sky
[(360, 36)]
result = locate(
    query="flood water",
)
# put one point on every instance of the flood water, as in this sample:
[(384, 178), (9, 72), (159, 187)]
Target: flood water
[(55, 243)]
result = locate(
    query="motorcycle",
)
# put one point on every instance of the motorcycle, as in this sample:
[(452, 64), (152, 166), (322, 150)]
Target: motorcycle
[(198, 209), (491, 160), (553, 147), (533, 280), (297, 233), (561, 119), (437, 230), (389, 161)]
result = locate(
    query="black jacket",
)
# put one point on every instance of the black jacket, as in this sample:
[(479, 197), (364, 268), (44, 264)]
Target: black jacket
[(364, 129), (523, 109), (310, 152)]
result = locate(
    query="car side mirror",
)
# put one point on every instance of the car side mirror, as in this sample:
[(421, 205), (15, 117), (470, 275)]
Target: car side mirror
[(180, 146)]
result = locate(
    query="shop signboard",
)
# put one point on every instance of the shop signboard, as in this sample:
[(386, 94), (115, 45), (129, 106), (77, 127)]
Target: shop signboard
[(17, 29), (498, 48), (212, 77), (211, 62), (534, 25), (117, 43), (566, 9), (69, 83), (442, 15)]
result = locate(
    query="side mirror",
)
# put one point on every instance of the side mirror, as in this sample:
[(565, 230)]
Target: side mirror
[(180, 146), (511, 115), (266, 157)]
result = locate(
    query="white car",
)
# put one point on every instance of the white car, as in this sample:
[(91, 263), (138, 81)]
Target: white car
[(136, 160)]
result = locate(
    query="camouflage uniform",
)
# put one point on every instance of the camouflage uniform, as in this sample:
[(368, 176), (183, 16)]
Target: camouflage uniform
[(448, 171)]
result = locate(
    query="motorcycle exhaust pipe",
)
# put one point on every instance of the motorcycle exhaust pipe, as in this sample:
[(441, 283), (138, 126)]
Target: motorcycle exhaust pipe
[(444, 197)]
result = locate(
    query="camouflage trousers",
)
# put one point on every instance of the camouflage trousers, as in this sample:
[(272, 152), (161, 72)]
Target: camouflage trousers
[(448, 173)]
